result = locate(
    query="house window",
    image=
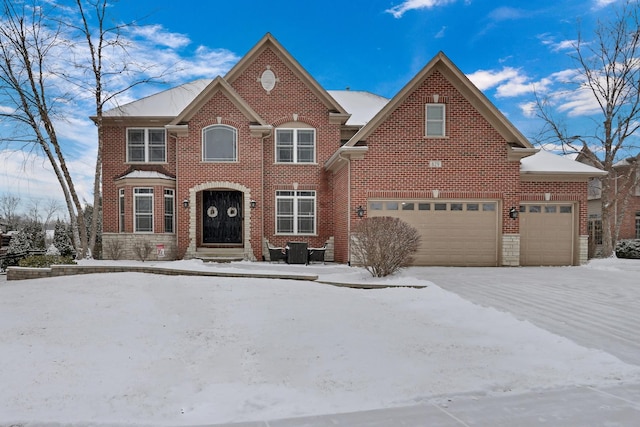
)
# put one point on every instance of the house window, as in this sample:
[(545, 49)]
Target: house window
[(295, 212), (295, 145), (637, 225), (121, 209), (435, 120), (595, 230), (219, 144), (146, 145), (168, 210), (143, 210)]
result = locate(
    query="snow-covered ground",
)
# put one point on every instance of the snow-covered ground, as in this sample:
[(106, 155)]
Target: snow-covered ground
[(175, 350)]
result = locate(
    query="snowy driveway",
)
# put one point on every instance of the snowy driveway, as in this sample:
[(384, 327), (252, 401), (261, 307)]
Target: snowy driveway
[(596, 306)]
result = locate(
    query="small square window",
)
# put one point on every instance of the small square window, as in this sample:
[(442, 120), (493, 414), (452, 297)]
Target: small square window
[(473, 207), (535, 209), (392, 206), (565, 209), (456, 206), (424, 206), (550, 209), (375, 206), (440, 206), (489, 207), (408, 206)]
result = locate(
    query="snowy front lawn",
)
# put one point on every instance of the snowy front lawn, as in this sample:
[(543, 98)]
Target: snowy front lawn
[(170, 350)]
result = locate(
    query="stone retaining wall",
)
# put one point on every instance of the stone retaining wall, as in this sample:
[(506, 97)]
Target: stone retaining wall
[(25, 273)]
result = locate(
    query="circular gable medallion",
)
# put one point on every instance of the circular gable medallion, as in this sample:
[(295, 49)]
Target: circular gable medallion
[(268, 80)]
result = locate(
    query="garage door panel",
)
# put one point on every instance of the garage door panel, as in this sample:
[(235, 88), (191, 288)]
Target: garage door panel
[(467, 237), (547, 234)]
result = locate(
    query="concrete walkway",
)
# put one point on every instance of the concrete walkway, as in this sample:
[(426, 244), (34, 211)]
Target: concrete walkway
[(602, 313)]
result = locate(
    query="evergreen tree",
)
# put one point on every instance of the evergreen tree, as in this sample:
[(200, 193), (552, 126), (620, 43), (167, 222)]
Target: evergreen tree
[(62, 239), (34, 231)]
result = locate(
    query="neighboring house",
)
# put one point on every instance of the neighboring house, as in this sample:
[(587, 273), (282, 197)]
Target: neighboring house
[(626, 213), (265, 155)]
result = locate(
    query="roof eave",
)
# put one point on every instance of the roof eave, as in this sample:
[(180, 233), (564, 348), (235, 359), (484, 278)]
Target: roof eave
[(343, 156)]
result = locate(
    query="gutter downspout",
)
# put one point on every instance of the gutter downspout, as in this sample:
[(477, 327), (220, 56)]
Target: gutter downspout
[(263, 139)]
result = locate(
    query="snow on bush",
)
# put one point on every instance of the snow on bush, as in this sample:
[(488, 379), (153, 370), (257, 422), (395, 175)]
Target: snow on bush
[(628, 249)]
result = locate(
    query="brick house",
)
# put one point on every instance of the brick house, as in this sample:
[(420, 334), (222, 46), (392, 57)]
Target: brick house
[(626, 209), (265, 155)]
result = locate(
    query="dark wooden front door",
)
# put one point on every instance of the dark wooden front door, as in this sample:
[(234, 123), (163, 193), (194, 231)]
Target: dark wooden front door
[(222, 217)]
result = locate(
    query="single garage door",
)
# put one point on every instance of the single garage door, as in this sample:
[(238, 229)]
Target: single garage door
[(547, 234), (454, 233)]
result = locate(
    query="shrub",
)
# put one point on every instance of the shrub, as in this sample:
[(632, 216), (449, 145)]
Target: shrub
[(114, 249), (628, 249), (383, 245), (45, 261), (142, 250)]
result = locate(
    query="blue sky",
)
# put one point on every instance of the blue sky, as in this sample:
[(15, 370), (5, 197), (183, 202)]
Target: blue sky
[(505, 47)]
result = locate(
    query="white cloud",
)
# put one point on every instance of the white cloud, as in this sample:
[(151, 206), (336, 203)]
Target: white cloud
[(528, 109), (407, 5), (6, 110), (487, 79), (440, 34), (599, 4), (159, 36)]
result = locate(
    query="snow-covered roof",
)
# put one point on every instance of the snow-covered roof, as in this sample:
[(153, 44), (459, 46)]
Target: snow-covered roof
[(360, 104), (168, 103), (146, 174), (544, 162)]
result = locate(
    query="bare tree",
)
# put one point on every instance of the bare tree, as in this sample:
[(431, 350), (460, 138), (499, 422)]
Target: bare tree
[(27, 43), (99, 39), (9, 210), (608, 69)]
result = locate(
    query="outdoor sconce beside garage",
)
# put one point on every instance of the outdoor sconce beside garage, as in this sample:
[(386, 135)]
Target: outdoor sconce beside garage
[(185, 203), (513, 213), (360, 211)]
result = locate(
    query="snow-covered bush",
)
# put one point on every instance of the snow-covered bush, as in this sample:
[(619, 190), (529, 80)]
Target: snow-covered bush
[(628, 249), (383, 245), (62, 239), (45, 261)]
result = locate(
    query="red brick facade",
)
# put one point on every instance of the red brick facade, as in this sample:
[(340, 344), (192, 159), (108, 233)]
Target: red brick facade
[(389, 158)]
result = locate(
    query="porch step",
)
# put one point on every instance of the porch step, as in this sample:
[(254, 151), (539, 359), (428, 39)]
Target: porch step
[(220, 254)]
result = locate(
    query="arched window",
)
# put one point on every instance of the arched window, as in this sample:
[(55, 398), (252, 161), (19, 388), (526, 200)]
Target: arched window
[(219, 144)]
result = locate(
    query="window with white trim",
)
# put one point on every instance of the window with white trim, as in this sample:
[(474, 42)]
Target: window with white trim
[(143, 210), (121, 210), (296, 145), (435, 119), (146, 145), (219, 144), (169, 210), (295, 212)]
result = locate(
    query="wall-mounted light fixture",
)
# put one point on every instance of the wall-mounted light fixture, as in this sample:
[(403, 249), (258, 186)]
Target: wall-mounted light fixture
[(360, 211), (185, 203), (513, 213), (253, 204)]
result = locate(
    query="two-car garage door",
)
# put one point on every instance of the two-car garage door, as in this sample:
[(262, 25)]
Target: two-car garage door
[(467, 233), (454, 233)]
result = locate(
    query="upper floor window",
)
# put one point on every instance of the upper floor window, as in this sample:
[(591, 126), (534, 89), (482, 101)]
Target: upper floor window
[(435, 120), (146, 145), (296, 145), (219, 144)]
